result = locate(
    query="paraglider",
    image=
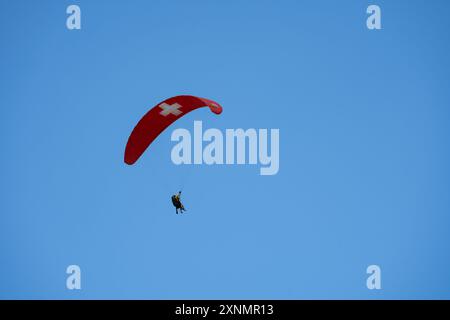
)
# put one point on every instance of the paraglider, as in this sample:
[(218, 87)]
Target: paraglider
[(176, 201), (156, 121)]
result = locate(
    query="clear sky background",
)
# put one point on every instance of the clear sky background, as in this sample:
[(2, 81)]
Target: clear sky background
[(364, 150)]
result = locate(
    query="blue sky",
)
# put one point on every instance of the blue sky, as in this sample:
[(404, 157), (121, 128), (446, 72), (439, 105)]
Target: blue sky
[(364, 150)]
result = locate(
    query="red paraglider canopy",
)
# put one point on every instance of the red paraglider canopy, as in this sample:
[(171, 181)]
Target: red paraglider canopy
[(159, 118)]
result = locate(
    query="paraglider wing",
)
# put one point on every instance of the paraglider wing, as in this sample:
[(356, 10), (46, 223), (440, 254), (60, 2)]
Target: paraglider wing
[(158, 119)]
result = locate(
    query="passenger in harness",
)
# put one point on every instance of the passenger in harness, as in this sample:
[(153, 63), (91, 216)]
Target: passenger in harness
[(177, 203)]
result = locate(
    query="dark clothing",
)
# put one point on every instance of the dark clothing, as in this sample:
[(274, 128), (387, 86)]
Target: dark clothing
[(177, 203)]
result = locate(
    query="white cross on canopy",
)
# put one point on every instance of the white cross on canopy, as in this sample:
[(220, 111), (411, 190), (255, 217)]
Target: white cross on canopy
[(170, 109)]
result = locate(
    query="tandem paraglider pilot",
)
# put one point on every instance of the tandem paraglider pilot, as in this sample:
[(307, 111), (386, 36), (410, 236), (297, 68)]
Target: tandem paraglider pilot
[(177, 203)]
